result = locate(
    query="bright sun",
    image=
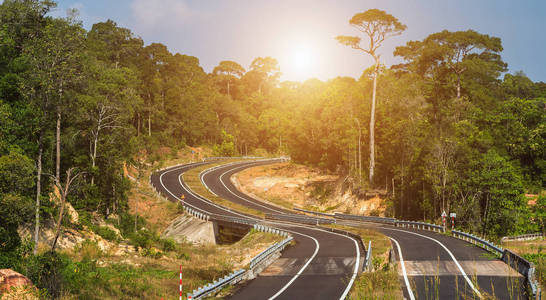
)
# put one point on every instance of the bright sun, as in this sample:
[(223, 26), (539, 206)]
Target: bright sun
[(302, 59)]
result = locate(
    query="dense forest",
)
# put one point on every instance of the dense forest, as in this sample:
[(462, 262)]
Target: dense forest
[(453, 130)]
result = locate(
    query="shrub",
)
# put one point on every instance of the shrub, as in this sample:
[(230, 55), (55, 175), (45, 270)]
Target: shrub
[(142, 238), (89, 250), (168, 244), (153, 253), (127, 224), (107, 233), (46, 271)]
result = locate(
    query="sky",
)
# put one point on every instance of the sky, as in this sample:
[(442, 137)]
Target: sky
[(300, 34)]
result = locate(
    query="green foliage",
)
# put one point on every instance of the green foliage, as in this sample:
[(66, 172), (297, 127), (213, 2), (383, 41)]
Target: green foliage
[(167, 244), (14, 211), (450, 133), (227, 147), (107, 233), (16, 173), (143, 238)]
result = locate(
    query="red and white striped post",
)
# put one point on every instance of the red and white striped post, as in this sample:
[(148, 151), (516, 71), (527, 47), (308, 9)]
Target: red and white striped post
[(180, 282)]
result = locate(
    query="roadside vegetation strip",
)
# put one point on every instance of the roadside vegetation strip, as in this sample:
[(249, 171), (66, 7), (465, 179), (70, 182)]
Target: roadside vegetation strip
[(193, 181), (235, 195), (275, 201), (383, 283), (404, 273), (533, 251)]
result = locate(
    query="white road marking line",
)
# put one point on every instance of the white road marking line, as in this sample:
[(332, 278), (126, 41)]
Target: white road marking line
[(408, 287), (450, 254), (355, 272), (252, 202), (317, 247), (201, 198)]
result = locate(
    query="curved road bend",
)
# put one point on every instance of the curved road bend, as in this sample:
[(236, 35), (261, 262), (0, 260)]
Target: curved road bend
[(320, 266), (437, 266)]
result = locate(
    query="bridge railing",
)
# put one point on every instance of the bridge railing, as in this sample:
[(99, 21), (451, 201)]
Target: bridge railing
[(522, 237), (255, 262), (487, 245), (267, 252), (299, 219), (364, 218), (368, 265), (313, 212), (215, 286), (419, 225)]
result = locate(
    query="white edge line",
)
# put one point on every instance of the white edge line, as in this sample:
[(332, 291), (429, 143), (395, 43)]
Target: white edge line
[(317, 247), (252, 202), (408, 287), (351, 282), (450, 254), (355, 272)]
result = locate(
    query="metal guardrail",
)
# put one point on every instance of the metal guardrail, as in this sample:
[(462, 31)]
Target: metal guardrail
[(303, 219), (487, 245), (237, 276), (522, 237), (419, 225), (525, 268), (533, 283), (364, 218), (206, 216), (272, 230), (313, 212), (267, 252), (211, 288), (368, 266)]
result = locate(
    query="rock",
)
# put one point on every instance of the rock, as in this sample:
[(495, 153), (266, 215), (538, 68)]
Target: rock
[(15, 286), (72, 213)]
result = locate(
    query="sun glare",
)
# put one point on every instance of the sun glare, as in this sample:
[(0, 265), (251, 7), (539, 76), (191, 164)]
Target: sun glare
[(302, 58)]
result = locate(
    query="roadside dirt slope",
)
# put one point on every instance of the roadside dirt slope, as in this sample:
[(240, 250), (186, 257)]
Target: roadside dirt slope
[(292, 185)]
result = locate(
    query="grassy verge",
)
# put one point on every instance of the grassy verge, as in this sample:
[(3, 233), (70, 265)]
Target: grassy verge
[(535, 252), (151, 270), (191, 178), (384, 282), (90, 273)]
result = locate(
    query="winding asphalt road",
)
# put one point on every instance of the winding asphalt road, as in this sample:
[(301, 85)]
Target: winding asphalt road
[(322, 264)]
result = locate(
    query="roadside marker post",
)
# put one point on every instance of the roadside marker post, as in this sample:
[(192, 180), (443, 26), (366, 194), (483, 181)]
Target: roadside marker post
[(452, 215), (444, 215), (180, 282)]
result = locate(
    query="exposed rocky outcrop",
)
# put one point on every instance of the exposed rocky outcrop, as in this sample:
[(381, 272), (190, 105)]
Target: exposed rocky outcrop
[(71, 238), (15, 286)]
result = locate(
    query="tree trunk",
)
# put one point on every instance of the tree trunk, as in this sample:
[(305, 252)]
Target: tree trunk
[(228, 88), (372, 122), (149, 124), (58, 145), (458, 86), (138, 124), (359, 152), (38, 191), (63, 193), (58, 226), (94, 156)]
